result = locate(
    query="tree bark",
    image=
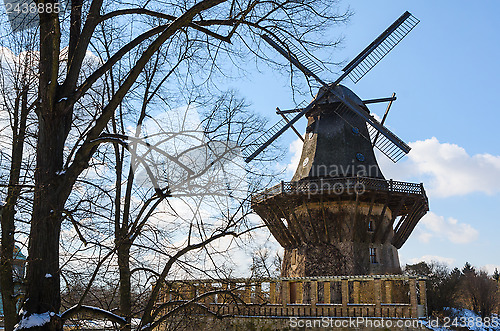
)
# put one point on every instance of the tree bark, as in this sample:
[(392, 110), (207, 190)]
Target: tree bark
[(7, 213), (123, 251), (43, 264), (6, 276), (43, 273)]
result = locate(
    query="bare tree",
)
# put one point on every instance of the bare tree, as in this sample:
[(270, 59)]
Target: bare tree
[(65, 151), (17, 137), (481, 292), (199, 175)]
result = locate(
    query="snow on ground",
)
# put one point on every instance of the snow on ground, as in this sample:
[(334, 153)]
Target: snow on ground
[(464, 319), (33, 320)]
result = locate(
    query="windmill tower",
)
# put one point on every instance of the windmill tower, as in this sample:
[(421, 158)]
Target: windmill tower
[(339, 215)]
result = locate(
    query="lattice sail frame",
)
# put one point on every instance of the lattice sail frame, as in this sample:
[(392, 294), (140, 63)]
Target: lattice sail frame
[(380, 47), (295, 53), (383, 144)]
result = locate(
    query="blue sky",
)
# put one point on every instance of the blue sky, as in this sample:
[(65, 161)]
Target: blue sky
[(445, 74)]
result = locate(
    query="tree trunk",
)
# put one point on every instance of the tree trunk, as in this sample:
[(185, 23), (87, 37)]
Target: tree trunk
[(123, 251), (50, 192), (43, 263), (20, 115), (6, 276)]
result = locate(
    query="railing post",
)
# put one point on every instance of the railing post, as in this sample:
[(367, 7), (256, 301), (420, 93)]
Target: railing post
[(272, 292), (248, 292), (390, 185), (282, 187), (201, 290), (355, 294), (300, 292), (377, 283), (209, 288), (413, 297), (223, 296), (216, 295), (258, 292), (388, 291), (285, 295), (423, 295), (345, 297), (314, 293), (327, 292)]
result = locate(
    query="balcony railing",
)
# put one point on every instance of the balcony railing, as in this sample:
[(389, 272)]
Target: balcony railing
[(344, 184), (393, 296)]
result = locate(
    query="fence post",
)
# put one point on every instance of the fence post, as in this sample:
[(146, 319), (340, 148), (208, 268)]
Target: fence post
[(285, 295), (223, 296), (388, 291), (272, 292), (355, 294), (248, 293), (300, 292), (423, 295), (327, 292), (314, 293), (413, 297), (258, 292), (345, 297), (378, 297)]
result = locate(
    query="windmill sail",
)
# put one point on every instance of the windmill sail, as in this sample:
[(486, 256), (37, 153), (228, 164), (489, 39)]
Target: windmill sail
[(292, 53), (261, 143), (393, 147), (380, 47), (382, 138)]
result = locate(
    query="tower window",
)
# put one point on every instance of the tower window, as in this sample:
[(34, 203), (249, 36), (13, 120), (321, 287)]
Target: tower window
[(294, 256), (373, 255), (371, 226)]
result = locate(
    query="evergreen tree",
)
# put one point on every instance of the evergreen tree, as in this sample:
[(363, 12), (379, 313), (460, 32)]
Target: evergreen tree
[(468, 270), (496, 275)]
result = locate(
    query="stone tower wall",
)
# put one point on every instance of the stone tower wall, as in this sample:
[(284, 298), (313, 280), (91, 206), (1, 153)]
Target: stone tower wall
[(339, 240)]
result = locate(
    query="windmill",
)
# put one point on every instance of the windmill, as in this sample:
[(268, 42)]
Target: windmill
[(387, 142), (339, 215)]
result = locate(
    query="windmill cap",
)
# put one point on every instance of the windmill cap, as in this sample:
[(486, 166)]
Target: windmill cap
[(345, 92)]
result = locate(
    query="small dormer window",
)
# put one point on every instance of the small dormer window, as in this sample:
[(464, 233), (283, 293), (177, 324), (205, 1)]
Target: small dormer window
[(371, 226)]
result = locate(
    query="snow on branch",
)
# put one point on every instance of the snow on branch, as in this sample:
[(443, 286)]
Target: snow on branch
[(76, 309)]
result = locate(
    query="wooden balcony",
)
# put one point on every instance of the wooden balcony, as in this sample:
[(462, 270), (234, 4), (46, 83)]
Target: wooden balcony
[(407, 202)]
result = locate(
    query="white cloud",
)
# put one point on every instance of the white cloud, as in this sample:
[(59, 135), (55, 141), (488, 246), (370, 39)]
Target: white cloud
[(296, 151), (435, 226), (423, 236), (447, 169), (490, 268), (432, 258)]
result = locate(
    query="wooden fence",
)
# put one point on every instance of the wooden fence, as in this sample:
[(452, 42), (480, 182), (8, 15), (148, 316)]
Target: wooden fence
[(339, 296)]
